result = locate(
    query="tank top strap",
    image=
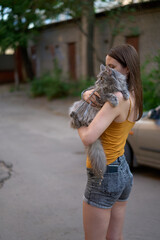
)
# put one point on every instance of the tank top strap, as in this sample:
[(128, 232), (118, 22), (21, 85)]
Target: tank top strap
[(129, 108)]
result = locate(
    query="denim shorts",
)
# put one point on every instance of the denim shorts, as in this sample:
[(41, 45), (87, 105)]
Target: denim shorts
[(115, 186)]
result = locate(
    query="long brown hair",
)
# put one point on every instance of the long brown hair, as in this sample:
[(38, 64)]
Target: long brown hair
[(128, 57)]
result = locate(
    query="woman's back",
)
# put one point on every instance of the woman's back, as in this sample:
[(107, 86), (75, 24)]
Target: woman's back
[(114, 137)]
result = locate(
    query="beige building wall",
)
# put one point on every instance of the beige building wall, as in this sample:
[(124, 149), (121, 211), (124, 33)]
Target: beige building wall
[(148, 23), (54, 39), (53, 44)]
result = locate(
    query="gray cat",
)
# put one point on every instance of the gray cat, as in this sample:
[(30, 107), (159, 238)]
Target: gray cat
[(82, 113)]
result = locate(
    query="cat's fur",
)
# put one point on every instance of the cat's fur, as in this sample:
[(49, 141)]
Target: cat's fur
[(108, 82)]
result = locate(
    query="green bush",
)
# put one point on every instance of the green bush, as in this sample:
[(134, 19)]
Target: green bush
[(151, 82), (50, 85)]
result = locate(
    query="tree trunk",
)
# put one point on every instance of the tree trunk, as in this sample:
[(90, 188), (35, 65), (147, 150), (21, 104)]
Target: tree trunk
[(91, 20), (88, 19), (27, 63)]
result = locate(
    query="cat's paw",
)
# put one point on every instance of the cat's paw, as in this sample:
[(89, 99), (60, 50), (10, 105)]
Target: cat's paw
[(72, 114), (113, 101), (125, 95), (75, 124)]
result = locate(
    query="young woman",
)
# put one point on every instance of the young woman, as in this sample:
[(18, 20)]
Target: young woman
[(104, 204)]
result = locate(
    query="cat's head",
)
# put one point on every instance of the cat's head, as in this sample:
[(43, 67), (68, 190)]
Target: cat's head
[(107, 73)]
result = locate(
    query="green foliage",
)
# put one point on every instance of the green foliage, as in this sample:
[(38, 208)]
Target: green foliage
[(151, 82), (19, 20), (50, 84), (134, 31)]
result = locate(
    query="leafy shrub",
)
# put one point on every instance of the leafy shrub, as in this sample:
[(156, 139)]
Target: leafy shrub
[(151, 82), (50, 84)]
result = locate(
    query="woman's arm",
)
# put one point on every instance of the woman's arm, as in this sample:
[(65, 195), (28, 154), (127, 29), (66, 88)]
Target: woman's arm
[(99, 124)]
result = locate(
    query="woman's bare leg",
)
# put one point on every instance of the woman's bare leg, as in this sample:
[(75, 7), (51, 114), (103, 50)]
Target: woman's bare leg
[(95, 221), (115, 228)]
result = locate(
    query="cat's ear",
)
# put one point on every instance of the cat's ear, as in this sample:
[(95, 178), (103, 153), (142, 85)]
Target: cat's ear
[(109, 70), (102, 68)]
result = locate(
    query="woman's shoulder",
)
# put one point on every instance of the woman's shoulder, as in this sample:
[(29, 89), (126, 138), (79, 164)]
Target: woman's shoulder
[(121, 101), (120, 98), (119, 95), (126, 107)]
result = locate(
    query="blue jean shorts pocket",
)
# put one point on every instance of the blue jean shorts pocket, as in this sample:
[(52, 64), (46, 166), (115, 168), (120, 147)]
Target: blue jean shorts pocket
[(110, 182)]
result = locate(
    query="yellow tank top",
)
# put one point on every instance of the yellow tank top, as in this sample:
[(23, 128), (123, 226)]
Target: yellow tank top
[(114, 139)]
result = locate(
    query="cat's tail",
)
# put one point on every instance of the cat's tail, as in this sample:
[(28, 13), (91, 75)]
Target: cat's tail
[(97, 157)]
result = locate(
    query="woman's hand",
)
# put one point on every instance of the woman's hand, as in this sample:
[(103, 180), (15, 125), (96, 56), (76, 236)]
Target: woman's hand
[(89, 96)]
